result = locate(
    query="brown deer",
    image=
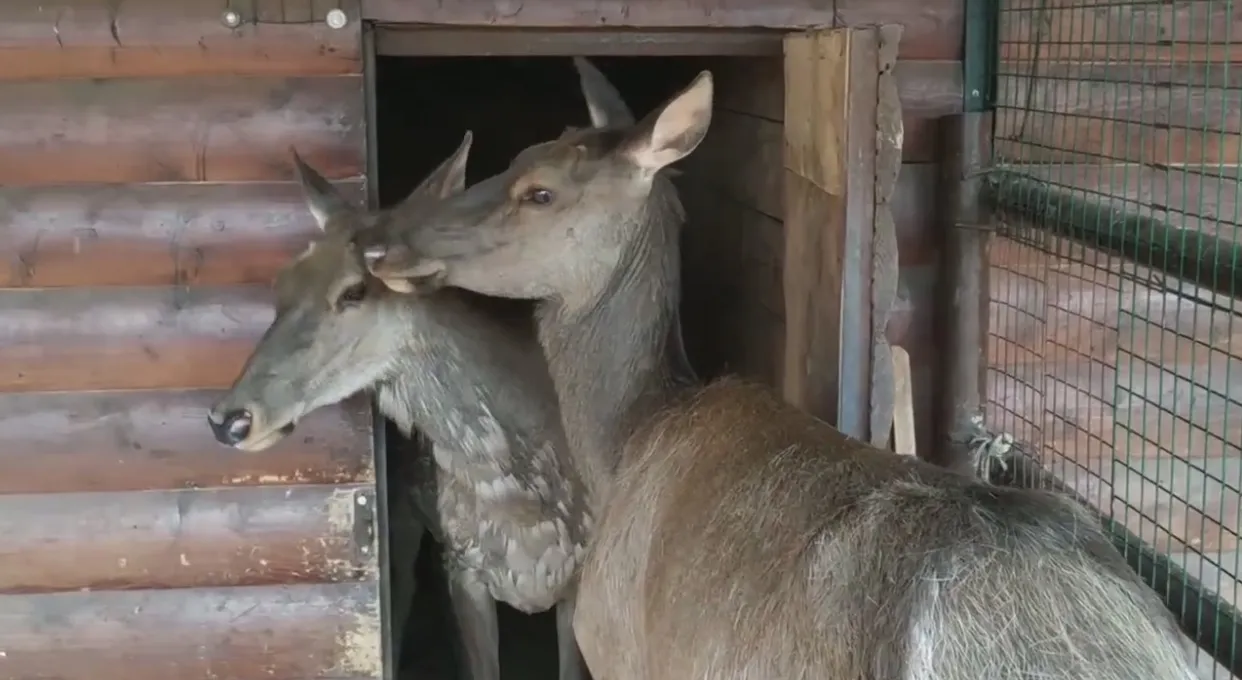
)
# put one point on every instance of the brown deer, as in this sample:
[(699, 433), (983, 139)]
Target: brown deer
[(499, 491), (741, 537)]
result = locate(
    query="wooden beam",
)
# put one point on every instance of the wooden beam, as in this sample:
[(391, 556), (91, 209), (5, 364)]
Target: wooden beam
[(440, 41), (832, 91)]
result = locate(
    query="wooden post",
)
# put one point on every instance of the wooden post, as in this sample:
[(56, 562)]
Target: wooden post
[(964, 140), (842, 152)]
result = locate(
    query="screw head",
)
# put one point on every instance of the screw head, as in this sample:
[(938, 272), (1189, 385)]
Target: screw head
[(336, 18), (231, 19), (974, 93), (362, 500)]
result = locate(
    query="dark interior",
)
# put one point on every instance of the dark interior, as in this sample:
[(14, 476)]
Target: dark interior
[(424, 105)]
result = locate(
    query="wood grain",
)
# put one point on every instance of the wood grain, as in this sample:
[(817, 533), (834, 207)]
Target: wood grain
[(927, 89), (831, 80), (135, 441), (145, 38), (932, 29), (178, 539), (602, 15), (178, 129), (153, 234), (137, 338), (258, 633)]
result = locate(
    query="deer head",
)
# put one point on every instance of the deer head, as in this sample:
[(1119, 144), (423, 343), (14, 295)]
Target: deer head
[(562, 217), (337, 331)]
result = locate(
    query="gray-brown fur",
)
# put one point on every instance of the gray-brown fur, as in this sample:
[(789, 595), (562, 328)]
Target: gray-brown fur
[(500, 492), (742, 538)]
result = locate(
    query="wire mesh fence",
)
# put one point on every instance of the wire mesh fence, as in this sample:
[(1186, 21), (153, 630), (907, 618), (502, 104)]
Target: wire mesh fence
[(1114, 347)]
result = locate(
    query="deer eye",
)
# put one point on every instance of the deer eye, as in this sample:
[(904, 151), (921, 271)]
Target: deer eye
[(352, 295), (537, 195)]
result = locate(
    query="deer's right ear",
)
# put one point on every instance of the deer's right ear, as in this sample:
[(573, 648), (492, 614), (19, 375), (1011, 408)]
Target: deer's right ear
[(322, 198), (450, 176), (603, 100), (672, 131)]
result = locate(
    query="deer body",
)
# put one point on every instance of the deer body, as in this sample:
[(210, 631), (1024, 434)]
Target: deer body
[(499, 491), (741, 537)]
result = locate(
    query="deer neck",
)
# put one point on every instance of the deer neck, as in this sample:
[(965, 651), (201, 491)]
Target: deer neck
[(618, 357)]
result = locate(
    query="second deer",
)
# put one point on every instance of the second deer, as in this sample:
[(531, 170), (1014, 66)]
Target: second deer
[(501, 492), (741, 537)]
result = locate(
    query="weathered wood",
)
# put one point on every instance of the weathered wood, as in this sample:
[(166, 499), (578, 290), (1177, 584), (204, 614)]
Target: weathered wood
[(601, 14), (927, 89), (439, 41), (142, 338), (1120, 32), (178, 129), (1065, 120), (830, 146), (325, 631), (932, 30), (964, 291), (146, 38), (135, 441), (152, 234), (904, 439), (884, 248), (189, 538)]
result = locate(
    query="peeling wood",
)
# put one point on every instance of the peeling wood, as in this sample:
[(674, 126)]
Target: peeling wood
[(884, 268)]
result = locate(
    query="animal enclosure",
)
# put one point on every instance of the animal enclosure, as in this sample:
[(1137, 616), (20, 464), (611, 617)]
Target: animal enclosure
[(1113, 345)]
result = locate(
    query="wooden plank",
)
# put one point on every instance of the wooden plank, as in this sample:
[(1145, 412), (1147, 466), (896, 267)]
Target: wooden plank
[(831, 82), (138, 338), (1089, 121), (927, 89), (178, 129), (932, 29), (151, 38), (1166, 32), (439, 41), (602, 14), (300, 631), (189, 538), (903, 405), (135, 441), (153, 234)]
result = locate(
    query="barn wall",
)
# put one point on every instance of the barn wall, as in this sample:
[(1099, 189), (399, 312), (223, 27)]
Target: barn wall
[(734, 185), (145, 205)]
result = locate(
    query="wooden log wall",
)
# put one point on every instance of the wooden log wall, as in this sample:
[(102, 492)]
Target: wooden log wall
[(736, 177), (146, 203)]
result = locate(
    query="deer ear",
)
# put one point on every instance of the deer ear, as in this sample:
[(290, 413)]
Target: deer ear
[(672, 131), (450, 176), (603, 100), (322, 198)]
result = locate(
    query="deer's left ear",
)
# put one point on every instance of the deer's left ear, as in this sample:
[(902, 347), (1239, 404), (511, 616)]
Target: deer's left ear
[(324, 201), (672, 131)]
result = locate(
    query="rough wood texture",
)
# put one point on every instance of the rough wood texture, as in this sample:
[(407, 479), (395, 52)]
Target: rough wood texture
[(263, 535), (884, 264), (177, 130), (324, 631), (430, 41), (137, 338), (139, 235), (932, 29), (831, 81), (136, 441), (137, 38), (965, 283)]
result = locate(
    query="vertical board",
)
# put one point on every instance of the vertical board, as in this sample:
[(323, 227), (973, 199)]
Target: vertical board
[(831, 86), (147, 200)]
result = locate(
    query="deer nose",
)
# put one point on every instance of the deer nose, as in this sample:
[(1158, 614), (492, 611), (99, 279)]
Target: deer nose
[(233, 428)]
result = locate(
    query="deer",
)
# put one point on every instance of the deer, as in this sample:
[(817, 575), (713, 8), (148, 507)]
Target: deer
[(739, 536), (499, 490)]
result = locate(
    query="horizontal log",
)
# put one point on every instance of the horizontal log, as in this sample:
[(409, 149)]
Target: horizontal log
[(135, 441), (189, 538), (439, 41), (179, 129), (1165, 32), (602, 15), (132, 338), (933, 29), (304, 632), (152, 234), (1064, 120), (144, 38)]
